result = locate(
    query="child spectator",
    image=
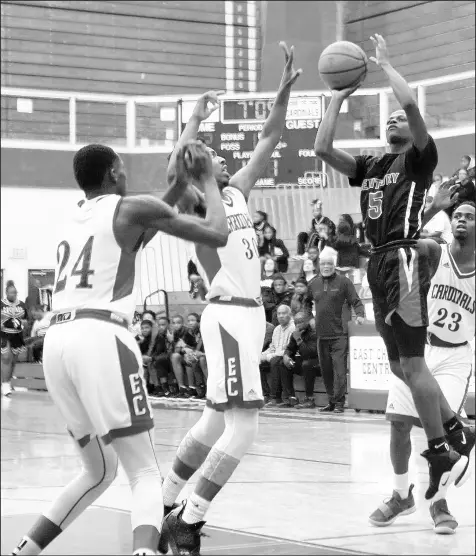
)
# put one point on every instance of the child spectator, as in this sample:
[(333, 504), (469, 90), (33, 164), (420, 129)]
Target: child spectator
[(161, 354), (312, 255), (196, 359), (274, 248), (301, 301), (184, 344), (281, 296), (144, 340)]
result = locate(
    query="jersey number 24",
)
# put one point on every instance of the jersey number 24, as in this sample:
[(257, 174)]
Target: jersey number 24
[(81, 268)]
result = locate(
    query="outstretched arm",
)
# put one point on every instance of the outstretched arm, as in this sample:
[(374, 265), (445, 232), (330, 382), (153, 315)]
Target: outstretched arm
[(206, 105), (445, 197), (336, 158), (246, 178), (148, 212), (402, 92)]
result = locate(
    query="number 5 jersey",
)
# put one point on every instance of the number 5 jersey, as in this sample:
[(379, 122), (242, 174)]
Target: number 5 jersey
[(93, 271), (451, 301)]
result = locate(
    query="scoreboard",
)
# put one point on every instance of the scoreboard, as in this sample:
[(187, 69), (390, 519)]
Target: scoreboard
[(234, 130)]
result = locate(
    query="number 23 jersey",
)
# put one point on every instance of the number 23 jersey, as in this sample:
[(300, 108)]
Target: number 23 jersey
[(93, 271), (451, 301), (234, 270)]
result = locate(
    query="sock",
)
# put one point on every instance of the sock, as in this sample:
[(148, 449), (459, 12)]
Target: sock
[(173, 485), (195, 509), (438, 445), (26, 547), (401, 485), (453, 425)]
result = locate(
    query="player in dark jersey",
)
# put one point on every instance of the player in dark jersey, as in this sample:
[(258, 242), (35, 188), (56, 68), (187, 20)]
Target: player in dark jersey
[(393, 191), (14, 320)]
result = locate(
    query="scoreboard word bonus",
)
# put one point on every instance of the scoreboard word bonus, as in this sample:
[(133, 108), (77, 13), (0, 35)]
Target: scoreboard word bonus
[(235, 132)]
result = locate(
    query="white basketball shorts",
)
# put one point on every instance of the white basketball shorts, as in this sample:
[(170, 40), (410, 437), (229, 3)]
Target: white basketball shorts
[(93, 372), (452, 368), (233, 339)]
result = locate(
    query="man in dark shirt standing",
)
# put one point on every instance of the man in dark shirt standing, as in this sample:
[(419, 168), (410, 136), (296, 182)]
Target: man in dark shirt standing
[(331, 291), (394, 188)]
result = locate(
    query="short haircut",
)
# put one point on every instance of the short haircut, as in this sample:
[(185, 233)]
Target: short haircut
[(329, 252), (263, 214), (467, 157), (287, 307), (90, 165), (149, 312), (10, 284), (460, 204), (163, 317), (196, 315), (178, 317)]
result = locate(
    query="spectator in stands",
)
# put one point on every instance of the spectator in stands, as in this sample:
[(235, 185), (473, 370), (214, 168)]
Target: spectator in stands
[(134, 327), (281, 296), (184, 345), (145, 342), (42, 320), (273, 248), (301, 357), (330, 292), (309, 239), (161, 358), (439, 227), (309, 270), (465, 164), (198, 288), (313, 256), (269, 272), (301, 301), (465, 190), (260, 220), (264, 367), (196, 359), (348, 248), (274, 355)]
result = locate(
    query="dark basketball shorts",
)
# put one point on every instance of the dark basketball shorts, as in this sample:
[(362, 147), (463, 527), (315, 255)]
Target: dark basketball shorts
[(12, 342), (399, 279)]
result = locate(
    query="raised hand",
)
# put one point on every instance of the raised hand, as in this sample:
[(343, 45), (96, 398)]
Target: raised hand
[(381, 52), (345, 93), (206, 105), (290, 75), (195, 160), (446, 195)]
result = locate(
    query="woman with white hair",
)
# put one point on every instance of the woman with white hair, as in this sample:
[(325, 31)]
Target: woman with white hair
[(331, 291)]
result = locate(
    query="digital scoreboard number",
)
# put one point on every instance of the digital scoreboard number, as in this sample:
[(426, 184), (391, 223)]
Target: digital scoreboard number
[(234, 130)]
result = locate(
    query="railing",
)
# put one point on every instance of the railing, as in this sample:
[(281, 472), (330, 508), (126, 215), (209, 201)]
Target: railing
[(145, 124)]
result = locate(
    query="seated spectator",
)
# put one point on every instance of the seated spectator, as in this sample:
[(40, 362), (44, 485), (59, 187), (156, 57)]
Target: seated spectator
[(161, 359), (331, 292), (301, 302), (465, 164), (144, 340), (274, 356), (273, 248), (309, 270), (42, 320), (281, 296), (301, 357), (260, 220), (312, 255), (309, 239), (184, 345), (196, 359), (439, 227), (264, 365), (268, 273)]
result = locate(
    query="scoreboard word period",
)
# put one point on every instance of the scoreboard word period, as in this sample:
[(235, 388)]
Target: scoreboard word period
[(234, 130)]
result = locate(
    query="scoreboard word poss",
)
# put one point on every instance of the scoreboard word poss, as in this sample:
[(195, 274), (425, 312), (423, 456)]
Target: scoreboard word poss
[(234, 130)]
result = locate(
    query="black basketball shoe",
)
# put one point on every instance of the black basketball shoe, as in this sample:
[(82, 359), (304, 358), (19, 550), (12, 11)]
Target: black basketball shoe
[(163, 544), (445, 469), (183, 538), (462, 441)]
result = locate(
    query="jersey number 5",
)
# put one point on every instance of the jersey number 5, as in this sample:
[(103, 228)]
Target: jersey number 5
[(375, 204), (84, 259)]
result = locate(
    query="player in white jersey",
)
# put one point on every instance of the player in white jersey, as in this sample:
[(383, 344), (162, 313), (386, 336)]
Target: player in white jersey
[(92, 365), (451, 310), (233, 327)]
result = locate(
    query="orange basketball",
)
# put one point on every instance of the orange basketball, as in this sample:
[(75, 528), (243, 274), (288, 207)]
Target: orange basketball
[(342, 64)]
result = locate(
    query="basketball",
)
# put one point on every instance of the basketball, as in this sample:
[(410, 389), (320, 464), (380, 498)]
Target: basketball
[(342, 64)]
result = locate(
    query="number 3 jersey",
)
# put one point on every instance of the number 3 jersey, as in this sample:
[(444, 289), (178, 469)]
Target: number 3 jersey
[(92, 270), (234, 270), (451, 301)]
